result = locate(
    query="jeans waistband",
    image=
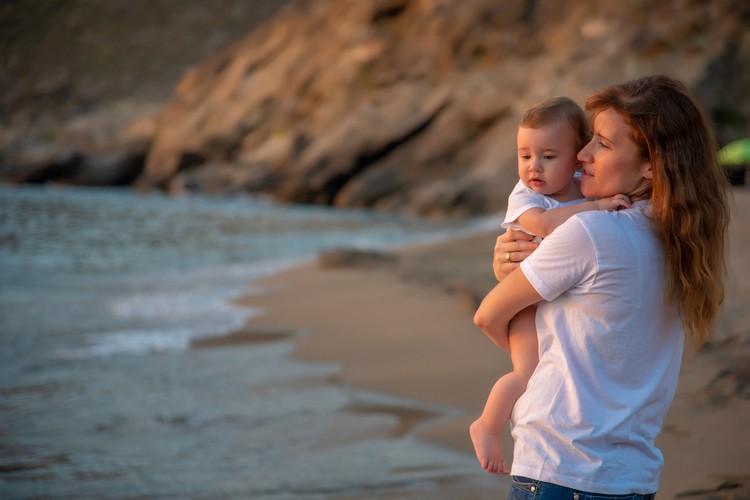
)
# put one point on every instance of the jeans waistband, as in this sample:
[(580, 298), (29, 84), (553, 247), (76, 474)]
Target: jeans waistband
[(525, 488)]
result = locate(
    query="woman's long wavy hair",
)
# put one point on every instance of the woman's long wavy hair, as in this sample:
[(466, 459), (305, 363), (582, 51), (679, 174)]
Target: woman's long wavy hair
[(688, 192)]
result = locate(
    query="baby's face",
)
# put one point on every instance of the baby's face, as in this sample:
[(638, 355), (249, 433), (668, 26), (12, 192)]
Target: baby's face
[(547, 158)]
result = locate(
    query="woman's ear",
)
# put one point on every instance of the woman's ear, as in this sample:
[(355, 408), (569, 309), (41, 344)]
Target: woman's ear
[(646, 171)]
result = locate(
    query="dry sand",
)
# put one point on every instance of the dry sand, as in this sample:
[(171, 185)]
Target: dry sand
[(404, 327)]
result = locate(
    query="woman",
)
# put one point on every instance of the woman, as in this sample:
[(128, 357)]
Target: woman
[(615, 291)]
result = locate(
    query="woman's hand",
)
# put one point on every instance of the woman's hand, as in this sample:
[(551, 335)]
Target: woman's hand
[(511, 247)]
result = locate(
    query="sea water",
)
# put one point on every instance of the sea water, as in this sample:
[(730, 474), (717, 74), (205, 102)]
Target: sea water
[(102, 292)]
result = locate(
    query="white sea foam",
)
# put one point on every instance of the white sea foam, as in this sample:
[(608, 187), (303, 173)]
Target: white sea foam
[(131, 342)]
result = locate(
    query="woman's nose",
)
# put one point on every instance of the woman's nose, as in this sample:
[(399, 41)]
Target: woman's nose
[(585, 153)]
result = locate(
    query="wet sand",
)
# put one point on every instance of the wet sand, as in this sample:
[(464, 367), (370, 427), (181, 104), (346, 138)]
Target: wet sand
[(403, 326)]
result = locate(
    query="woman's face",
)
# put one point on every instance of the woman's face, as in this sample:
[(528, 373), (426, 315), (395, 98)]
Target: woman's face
[(612, 162)]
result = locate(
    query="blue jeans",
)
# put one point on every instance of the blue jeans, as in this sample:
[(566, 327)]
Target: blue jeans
[(531, 489)]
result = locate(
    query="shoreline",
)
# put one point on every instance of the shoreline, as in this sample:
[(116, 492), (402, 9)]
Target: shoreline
[(403, 327), (388, 330)]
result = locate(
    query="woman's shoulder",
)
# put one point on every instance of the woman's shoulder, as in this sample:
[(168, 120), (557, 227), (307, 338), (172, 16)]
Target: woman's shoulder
[(638, 213), (604, 224)]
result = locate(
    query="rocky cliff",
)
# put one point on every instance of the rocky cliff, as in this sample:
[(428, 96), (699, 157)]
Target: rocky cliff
[(412, 105)]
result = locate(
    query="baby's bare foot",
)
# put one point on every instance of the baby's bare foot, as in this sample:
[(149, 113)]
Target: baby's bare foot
[(488, 448)]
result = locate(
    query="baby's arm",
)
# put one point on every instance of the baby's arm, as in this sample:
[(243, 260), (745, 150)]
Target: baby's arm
[(502, 303), (542, 222)]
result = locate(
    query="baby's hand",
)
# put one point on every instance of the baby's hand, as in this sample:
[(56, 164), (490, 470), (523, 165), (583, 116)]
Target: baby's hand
[(616, 202)]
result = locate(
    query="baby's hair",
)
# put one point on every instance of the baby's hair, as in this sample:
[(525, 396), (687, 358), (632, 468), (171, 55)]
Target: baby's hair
[(554, 109)]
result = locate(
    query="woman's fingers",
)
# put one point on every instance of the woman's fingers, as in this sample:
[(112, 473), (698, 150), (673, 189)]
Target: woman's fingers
[(511, 248), (514, 246), (512, 235)]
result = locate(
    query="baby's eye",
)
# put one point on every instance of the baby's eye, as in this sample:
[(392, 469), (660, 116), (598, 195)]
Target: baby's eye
[(525, 157), (549, 157)]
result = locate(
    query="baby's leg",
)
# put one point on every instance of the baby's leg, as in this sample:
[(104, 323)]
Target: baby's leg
[(486, 430)]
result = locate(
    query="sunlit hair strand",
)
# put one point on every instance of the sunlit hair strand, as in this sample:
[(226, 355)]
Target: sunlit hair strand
[(688, 193)]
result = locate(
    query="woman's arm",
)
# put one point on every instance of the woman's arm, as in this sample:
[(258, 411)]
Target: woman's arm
[(514, 246), (503, 302)]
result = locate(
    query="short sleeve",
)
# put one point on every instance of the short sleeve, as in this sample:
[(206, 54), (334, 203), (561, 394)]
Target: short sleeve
[(564, 260), (519, 201)]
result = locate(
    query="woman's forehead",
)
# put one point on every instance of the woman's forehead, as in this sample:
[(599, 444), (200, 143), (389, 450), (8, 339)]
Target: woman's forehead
[(609, 122)]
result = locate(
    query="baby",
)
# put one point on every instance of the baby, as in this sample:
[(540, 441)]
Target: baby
[(549, 137)]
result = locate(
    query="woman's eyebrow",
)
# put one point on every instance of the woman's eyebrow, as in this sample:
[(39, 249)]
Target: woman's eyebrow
[(603, 136)]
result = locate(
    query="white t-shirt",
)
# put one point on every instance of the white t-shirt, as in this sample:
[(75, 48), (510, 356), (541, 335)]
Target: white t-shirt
[(523, 198), (610, 348)]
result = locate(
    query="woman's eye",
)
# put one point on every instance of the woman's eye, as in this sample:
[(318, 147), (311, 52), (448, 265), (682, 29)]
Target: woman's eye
[(603, 145)]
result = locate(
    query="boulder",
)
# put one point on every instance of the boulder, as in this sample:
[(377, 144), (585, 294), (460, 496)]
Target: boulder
[(104, 147), (33, 161), (222, 179), (354, 257)]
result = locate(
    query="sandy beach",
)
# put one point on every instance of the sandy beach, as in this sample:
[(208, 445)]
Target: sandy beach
[(403, 327)]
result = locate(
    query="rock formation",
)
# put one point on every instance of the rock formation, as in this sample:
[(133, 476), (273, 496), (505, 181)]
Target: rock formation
[(412, 105)]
